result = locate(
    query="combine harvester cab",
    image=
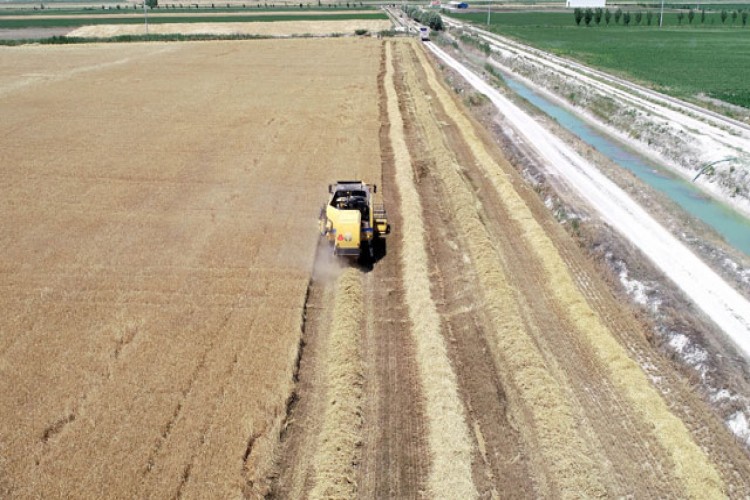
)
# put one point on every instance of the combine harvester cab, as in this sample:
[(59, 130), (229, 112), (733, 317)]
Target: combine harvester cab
[(351, 223)]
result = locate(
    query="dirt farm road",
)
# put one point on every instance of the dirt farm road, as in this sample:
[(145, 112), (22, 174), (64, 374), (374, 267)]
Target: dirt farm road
[(171, 328)]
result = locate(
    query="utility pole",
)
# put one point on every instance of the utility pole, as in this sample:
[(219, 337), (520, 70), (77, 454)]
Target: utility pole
[(661, 16), (145, 15), (489, 4)]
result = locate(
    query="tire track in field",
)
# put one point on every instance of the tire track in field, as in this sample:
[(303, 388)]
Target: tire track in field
[(395, 461), (500, 462), (209, 380), (40, 79), (449, 439), (616, 428), (291, 475), (199, 371)]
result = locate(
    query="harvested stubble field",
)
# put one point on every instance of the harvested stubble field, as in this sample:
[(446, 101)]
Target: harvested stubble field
[(171, 329), (270, 29)]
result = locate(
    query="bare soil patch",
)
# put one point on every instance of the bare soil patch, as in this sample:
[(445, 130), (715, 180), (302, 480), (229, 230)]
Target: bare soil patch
[(32, 33)]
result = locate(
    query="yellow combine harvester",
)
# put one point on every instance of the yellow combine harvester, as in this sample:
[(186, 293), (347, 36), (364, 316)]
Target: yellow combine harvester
[(353, 225)]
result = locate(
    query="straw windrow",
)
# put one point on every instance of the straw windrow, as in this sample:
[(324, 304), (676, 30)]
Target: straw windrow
[(448, 433), (341, 434), (540, 398)]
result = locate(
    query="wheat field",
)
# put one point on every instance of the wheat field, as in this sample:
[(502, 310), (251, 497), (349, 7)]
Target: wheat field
[(158, 207)]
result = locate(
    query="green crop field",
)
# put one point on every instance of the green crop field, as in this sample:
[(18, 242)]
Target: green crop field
[(681, 60), (566, 19), (36, 22)]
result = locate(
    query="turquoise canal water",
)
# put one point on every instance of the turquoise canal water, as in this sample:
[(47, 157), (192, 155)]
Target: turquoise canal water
[(734, 227)]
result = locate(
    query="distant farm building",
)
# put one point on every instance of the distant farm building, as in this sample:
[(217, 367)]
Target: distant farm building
[(585, 3)]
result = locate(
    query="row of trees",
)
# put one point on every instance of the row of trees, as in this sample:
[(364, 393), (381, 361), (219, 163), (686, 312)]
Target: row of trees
[(596, 15), (427, 17)]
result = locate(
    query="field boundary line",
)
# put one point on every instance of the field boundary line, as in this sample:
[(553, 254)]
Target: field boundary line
[(448, 432)]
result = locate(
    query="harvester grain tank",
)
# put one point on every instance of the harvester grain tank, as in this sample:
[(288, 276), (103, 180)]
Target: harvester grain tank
[(351, 222)]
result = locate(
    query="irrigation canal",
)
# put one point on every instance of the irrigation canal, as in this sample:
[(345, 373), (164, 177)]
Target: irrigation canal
[(733, 226)]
